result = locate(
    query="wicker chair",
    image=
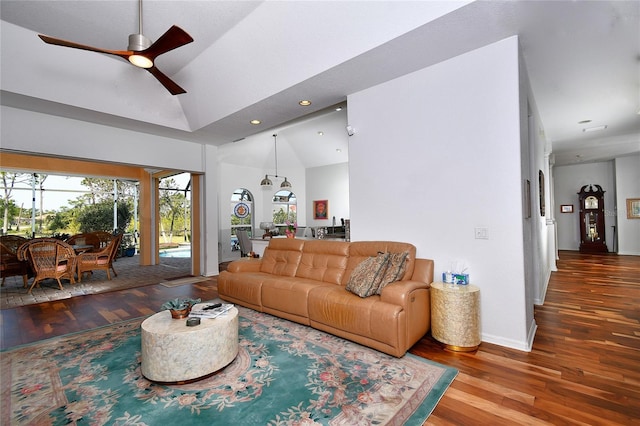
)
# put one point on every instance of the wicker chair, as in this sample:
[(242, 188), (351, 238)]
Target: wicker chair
[(49, 258), (99, 260), (10, 265), (84, 239)]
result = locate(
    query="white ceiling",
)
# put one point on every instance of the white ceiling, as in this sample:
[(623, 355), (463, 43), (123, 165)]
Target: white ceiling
[(258, 59)]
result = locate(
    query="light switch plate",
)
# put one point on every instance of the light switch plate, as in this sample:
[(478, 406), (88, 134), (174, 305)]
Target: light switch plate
[(482, 233)]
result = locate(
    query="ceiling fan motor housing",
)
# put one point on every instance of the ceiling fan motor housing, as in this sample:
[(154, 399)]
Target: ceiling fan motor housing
[(138, 42)]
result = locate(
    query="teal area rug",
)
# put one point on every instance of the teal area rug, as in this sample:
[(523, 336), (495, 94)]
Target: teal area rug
[(284, 374)]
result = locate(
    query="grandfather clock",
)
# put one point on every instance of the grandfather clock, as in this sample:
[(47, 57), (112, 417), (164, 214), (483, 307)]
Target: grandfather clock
[(592, 219)]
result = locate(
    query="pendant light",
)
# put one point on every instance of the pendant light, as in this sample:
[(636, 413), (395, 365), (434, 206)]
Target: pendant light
[(266, 182)]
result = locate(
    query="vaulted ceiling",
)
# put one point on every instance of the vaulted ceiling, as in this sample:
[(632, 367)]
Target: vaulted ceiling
[(256, 60)]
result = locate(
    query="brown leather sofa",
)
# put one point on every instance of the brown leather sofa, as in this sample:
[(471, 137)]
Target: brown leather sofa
[(304, 281)]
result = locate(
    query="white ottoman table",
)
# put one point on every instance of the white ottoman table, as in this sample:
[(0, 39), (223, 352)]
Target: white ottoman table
[(173, 352)]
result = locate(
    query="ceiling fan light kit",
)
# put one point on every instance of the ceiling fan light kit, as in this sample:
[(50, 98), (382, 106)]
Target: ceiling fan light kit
[(141, 51)]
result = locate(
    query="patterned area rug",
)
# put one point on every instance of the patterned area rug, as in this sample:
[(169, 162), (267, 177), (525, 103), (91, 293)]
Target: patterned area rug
[(284, 374)]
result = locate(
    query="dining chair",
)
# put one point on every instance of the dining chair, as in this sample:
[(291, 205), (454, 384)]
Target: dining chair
[(99, 260), (49, 258), (10, 265), (245, 242), (84, 239)]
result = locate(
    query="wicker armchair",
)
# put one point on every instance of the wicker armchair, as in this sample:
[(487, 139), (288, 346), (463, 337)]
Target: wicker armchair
[(99, 260), (10, 265), (89, 239), (49, 258), (98, 239)]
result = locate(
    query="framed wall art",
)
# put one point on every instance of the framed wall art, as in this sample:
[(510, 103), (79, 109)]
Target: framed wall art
[(633, 208), (566, 208), (541, 191), (321, 209)]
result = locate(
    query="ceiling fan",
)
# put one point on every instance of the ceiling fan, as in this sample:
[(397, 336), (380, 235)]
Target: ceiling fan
[(141, 52)]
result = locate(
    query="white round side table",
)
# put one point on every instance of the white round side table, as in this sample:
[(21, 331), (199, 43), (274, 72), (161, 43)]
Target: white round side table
[(455, 316), (173, 352)]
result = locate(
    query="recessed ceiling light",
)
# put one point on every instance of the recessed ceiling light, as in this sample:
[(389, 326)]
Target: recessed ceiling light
[(255, 122), (594, 129), (305, 103), (338, 150), (320, 133), (584, 121), (340, 109)]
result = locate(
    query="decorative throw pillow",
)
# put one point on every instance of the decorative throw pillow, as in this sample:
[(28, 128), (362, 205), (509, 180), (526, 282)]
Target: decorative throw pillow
[(395, 271), (367, 276)]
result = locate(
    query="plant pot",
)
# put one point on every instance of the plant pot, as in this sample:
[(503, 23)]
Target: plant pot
[(129, 252), (180, 313), (291, 235)]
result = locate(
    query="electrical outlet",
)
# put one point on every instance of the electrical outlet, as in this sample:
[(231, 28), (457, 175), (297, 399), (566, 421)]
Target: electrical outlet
[(482, 233)]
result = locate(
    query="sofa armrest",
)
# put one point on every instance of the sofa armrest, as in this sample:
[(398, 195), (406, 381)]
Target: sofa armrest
[(245, 265), (423, 270), (415, 300), (400, 292)]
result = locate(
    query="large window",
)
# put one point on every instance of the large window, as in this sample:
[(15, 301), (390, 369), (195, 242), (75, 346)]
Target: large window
[(284, 208), (241, 214)]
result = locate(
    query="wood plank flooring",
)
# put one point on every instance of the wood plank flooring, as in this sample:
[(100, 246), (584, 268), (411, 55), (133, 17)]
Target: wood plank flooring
[(584, 368)]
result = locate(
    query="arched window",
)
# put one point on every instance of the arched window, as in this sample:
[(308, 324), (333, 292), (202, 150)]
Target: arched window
[(285, 206), (241, 214)]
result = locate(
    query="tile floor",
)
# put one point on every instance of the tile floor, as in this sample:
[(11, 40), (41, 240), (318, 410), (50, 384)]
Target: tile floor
[(130, 275)]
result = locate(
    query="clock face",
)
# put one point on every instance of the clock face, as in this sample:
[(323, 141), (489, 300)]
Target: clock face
[(591, 202)]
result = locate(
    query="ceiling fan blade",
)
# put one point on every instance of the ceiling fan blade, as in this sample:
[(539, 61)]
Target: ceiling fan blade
[(173, 38), (169, 84), (64, 43)]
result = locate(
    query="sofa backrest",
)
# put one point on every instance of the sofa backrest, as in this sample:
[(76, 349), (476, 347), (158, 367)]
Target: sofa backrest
[(324, 261), (361, 250), (282, 256)]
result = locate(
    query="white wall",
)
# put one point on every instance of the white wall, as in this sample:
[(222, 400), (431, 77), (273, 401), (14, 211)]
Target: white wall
[(567, 183), (436, 155), (38, 133), (328, 183), (627, 186)]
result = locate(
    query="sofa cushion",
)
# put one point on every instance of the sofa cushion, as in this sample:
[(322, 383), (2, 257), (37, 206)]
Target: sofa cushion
[(246, 286), (282, 256), (336, 308), (367, 276), (324, 261), (288, 294), (395, 269)]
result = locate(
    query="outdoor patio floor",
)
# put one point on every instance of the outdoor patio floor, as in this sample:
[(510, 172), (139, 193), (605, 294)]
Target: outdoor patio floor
[(130, 275)]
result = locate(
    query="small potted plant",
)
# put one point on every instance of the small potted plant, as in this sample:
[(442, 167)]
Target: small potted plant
[(128, 245), (291, 229), (179, 308)]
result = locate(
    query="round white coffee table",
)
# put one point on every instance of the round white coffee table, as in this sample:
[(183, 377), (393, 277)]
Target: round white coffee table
[(173, 352)]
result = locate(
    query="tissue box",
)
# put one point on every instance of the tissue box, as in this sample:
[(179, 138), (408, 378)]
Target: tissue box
[(462, 279), (451, 278)]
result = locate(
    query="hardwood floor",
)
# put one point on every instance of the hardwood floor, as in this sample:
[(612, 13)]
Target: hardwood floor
[(584, 368)]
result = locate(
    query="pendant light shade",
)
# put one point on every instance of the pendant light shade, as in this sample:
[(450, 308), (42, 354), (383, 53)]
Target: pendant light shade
[(266, 182)]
